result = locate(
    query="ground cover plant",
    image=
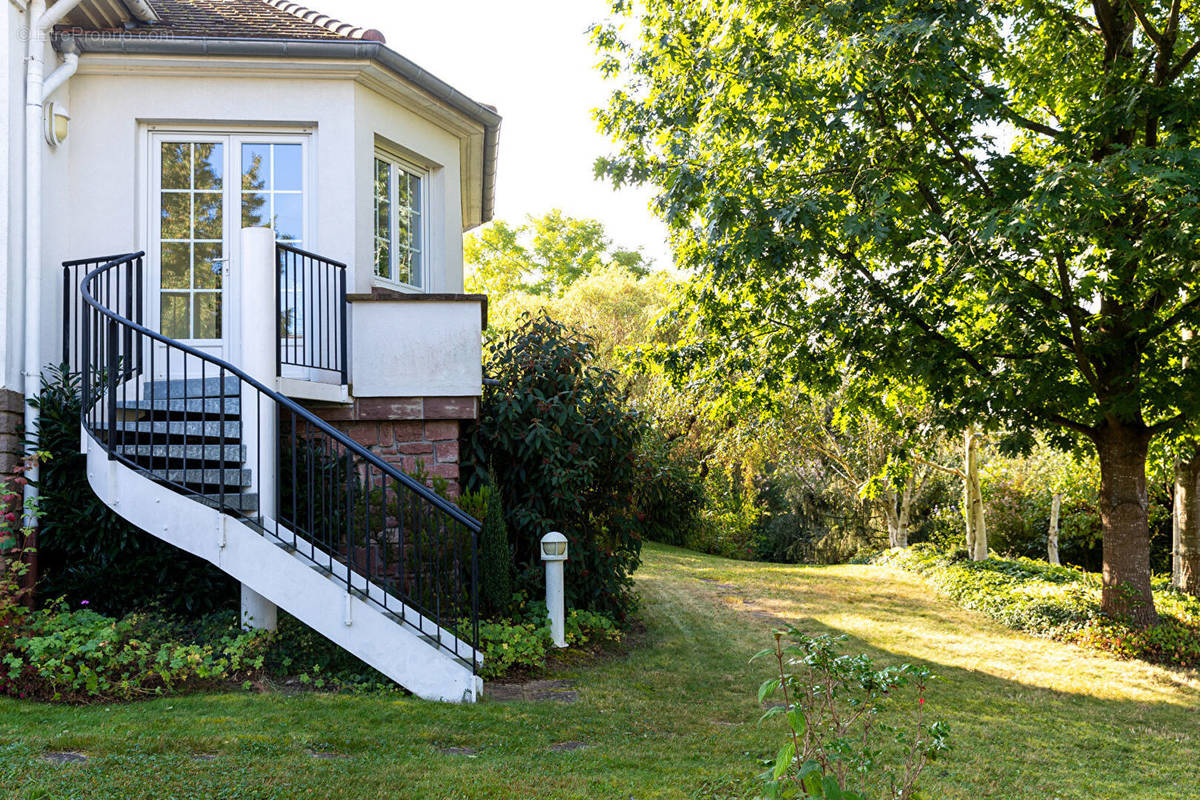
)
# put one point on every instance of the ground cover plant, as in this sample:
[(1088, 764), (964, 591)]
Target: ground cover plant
[(1060, 602), (677, 717)]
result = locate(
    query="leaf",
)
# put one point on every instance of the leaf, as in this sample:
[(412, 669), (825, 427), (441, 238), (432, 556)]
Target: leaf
[(783, 761)]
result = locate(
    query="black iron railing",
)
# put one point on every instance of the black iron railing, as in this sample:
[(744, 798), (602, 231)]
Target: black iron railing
[(125, 300), (206, 429), (310, 299)]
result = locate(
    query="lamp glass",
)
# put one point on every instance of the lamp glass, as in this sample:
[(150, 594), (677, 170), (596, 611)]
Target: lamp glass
[(61, 125), (554, 548)]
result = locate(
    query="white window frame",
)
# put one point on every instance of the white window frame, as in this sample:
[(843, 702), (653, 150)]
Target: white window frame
[(421, 262)]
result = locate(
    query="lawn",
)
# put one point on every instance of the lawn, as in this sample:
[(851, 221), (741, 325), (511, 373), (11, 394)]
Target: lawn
[(675, 718)]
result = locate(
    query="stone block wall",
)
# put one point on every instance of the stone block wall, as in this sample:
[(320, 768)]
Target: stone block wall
[(12, 418), (405, 431)]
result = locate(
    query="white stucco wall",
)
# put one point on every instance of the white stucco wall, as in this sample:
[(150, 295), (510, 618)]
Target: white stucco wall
[(97, 181), (416, 349), (380, 123), (9, 67)]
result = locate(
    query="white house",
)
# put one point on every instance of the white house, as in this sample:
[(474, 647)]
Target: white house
[(252, 395)]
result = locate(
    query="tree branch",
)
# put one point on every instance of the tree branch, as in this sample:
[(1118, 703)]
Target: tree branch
[(1078, 427), (1187, 58), (1147, 25), (967, 163), (1169, 422), (948, 470), (884, 297), (1013, 116), (1085, 364)]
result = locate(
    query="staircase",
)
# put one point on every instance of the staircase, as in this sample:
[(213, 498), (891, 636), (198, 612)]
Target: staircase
[(216, 463)]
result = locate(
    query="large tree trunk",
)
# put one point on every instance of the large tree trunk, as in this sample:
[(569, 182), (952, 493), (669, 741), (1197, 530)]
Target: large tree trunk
[(1052, 539), (1187, 524), (1124, 514), (977, 545)]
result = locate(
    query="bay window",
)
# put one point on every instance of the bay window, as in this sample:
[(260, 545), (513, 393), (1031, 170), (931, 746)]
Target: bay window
[(399, 222)]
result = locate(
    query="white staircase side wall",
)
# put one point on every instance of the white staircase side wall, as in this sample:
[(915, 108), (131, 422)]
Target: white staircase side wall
[(286, 579)]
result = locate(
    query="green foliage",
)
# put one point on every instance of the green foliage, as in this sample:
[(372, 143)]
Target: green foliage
[(545, 256), (510, 646), (86, 551), (995, 201), (670, 491), (557, 431), (81, 655), (15, 554), (1060, 602), (495, 554), (853, 731), (297, 652)]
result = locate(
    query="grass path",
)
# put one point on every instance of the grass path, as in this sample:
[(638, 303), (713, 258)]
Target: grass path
[(674, 719)]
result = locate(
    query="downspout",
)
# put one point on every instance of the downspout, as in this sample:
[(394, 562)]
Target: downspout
[(37, 87)]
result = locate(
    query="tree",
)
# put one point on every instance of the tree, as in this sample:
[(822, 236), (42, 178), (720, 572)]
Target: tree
[(995, 200), (545, 256), (974, 513)]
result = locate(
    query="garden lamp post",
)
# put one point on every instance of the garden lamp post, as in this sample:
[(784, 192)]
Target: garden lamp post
[(554, 553)]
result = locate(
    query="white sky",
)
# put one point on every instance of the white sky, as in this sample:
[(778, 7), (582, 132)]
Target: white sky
[(532, 59)]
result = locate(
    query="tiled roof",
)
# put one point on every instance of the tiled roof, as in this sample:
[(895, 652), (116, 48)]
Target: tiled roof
[(242, 19)]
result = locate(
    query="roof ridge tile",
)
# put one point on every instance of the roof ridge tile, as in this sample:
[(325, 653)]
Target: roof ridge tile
[(322, 20)]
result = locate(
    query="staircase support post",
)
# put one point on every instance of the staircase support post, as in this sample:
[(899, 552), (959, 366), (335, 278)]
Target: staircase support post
[(258, 335)]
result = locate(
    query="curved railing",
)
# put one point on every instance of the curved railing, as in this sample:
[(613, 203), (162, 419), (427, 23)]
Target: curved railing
[(205, 428)]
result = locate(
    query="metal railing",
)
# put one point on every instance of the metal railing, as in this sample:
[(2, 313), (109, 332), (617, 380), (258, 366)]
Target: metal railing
[(386, 537), (130, 305), (310, 300)]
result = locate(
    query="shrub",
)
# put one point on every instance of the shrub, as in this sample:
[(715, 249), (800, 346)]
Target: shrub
[(86, 551), (853, 731), (565, 448), (670, 491), (80, 655), (495, 555), (1059, 602)]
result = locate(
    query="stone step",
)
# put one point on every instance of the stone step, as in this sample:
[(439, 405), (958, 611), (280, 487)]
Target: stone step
[(214, 406), (208, 429), (230, 453), (244, 502), (195, 387), (205, 477)]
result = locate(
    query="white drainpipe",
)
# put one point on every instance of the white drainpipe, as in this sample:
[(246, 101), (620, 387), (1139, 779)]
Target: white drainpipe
[(37, 87)]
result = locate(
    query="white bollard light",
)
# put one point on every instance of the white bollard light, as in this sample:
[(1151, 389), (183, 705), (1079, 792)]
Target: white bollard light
[(554, 553)]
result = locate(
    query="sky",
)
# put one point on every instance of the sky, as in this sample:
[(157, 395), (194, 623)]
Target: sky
[(532, 59)]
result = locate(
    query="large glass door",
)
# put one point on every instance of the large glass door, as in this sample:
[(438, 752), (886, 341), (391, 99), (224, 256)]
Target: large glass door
[(204, 189)]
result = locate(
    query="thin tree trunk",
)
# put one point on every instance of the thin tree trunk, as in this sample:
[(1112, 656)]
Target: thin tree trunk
[(973, 511), (1052, 539), (1176, 510), (893, 519), (905, 512), (1124, 508), (1186, 552)]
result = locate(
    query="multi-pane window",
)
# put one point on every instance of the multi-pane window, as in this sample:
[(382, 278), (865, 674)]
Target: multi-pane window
[(399, 222), (273, 190), (273, 197), (191, 241)]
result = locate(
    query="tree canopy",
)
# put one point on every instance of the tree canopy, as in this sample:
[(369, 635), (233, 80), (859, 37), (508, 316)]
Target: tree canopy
[(996, 200), (544, 256)]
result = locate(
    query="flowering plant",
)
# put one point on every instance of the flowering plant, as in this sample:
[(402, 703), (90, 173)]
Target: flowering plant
[(15, 549), (854, 731)]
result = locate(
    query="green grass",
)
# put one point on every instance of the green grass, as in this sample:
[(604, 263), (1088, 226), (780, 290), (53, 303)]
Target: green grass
[(1030, 718)]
